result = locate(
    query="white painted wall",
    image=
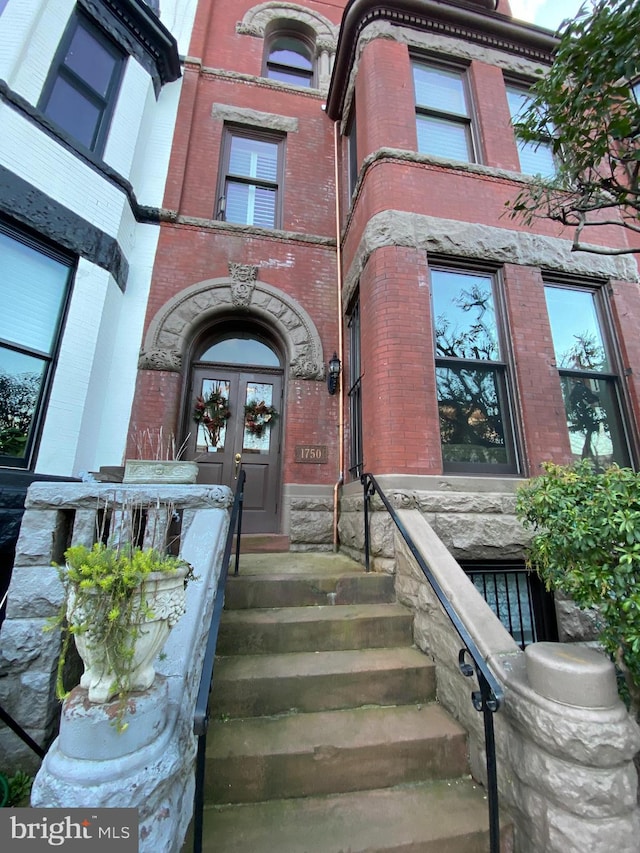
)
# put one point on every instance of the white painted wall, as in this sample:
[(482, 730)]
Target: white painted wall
[(153, 148), (132, 104), (178, 17), (90, 402), (30, 31), (70, 391), (103, 443)]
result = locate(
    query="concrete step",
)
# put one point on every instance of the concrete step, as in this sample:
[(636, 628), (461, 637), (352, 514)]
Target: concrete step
[(441, 817), (302, 755), (254, 685), (286, 590), (298, 579), (312, 629)]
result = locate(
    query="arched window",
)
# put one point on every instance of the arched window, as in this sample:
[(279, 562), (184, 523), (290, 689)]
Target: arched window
[(240, 349), (289, 57)]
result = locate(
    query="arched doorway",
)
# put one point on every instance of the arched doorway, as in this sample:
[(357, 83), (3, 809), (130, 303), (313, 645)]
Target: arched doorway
[(237, 397)]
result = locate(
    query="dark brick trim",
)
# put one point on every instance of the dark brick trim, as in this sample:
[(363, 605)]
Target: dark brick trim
[(29, 206)]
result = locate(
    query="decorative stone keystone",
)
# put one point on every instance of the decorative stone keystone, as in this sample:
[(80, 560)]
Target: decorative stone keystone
[(571, 675)]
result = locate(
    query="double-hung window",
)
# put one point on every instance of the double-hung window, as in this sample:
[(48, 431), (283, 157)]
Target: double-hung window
[(443, 114), (587, 377), (471, 374), (251, 181), (83, 83), (289, 58), (536, 158), (34, 287)]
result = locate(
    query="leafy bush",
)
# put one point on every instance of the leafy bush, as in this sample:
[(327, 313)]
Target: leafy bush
[(586, 543), (15, 790)]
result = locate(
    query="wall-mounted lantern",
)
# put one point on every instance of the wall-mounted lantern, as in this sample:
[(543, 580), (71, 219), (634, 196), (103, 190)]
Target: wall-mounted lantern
[(333, 373)]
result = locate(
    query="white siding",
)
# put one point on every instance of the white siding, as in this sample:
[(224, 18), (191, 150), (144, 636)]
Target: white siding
[(30, 31), (129, 114)]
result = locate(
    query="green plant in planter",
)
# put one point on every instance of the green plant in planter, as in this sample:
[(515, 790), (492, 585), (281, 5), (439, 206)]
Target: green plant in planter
[(15, 790), (117, 598), (586, 543)]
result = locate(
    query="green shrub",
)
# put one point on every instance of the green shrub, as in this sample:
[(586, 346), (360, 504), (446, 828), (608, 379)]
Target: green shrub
[(15, 790), (586, 543)]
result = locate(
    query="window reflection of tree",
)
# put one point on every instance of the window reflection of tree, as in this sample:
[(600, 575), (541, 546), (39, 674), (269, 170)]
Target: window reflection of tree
[(18, 397), (478, 341), (468, 397), (469, 408), (586, 414)]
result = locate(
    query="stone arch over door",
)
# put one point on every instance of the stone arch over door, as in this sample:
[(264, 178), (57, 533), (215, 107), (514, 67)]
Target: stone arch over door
[(176, 324)]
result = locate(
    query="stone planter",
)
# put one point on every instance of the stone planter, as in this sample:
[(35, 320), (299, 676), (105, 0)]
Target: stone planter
[(160, 471), (161, 601)]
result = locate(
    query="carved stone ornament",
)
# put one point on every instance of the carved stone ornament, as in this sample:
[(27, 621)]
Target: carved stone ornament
[(304, 366), (243, 282), (160, 359)]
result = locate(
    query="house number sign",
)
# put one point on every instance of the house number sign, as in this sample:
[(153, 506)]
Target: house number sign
[(314, 453)]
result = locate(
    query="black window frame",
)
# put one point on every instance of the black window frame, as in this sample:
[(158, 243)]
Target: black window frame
[(104, 103), (356, 460), (501, 368), (49, 359), (467, 121), (225, 176), (610, 377)]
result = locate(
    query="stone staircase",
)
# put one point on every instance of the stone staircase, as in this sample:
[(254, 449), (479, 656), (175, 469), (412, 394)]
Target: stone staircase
[(325, 734)]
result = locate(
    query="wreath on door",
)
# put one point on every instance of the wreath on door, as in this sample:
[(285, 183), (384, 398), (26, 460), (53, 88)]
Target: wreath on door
[(258, 416), (212, 412)]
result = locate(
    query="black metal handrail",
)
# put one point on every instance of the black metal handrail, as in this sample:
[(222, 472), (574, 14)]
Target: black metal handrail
[(201, 714), (490, 696), (8, 720), (15, 727)]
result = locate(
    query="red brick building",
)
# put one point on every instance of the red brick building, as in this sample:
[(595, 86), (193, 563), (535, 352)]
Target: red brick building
[(338, 183)]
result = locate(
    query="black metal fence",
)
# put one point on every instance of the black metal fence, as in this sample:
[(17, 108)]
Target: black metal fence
[(518, 598)]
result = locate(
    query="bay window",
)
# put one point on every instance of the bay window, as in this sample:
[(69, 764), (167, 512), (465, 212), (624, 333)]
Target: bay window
[(83, 83), (33, 290), (471, 374), (443, 114), (587, 376), (536, 158)]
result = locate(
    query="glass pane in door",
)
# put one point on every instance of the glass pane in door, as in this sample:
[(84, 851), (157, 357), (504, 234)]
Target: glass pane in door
[(259, 418), (212, 413)]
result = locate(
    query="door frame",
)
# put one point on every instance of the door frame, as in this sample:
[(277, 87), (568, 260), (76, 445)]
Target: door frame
[(256, 330)]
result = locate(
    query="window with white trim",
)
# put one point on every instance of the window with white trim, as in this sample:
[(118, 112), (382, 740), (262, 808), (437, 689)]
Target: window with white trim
[(83, 83), (443, 113), (34, 288), (251, 180)]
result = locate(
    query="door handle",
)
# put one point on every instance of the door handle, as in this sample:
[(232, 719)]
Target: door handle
[(238, 462)]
